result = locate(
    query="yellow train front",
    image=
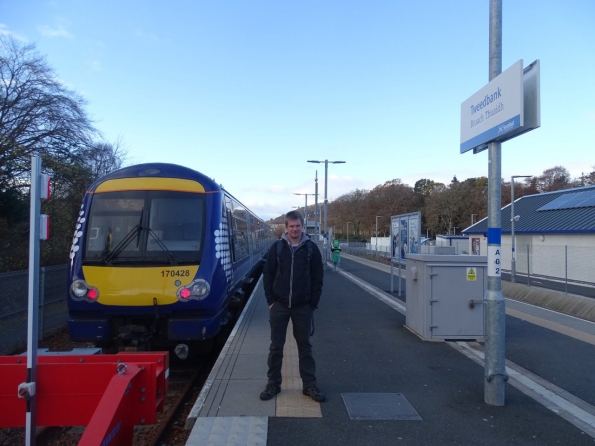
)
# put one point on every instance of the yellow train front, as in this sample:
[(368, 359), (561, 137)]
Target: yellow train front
[(161, 256)]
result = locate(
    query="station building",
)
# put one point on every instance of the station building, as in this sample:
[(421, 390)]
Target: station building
[(554, 235)]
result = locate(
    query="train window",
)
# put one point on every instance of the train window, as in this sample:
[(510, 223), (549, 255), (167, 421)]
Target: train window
[(130, 226), (112, 219), (178, 221)]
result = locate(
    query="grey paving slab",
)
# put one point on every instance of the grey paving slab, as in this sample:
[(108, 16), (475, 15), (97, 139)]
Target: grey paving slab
[(230, 431), (261, 330), (249, 367), (255, 345), (242, 399)]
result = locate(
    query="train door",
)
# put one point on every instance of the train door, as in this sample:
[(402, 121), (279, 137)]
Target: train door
[(227, 212)]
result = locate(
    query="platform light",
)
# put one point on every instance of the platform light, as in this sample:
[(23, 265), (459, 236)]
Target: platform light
[(326, 162), (44, 186), (44, 227), (513, 219)]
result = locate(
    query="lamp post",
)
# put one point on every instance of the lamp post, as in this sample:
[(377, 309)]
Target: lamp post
[(348, 223), (513, 218), (316, 212), (472, 215), (326, 162), (305, 210), (377, 217)]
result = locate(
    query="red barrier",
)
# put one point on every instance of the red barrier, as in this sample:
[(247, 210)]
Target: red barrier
[(109, 394)]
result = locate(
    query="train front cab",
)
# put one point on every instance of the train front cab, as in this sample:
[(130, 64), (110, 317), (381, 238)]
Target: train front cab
[(159, 261), (139, 267)]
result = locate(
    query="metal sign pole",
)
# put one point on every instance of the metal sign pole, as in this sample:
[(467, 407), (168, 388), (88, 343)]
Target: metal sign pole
[(400, 278), (495, 367), (28, 390)]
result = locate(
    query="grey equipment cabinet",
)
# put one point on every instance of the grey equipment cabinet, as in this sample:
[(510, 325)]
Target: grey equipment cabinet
[(445, 295)]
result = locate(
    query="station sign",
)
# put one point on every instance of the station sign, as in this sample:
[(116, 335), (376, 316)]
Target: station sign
[(500, 111)]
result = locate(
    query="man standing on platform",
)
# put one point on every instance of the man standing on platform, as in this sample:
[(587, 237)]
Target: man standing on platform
[(292, 278)]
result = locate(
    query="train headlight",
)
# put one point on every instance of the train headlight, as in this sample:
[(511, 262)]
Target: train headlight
[(81, 290), (197, 290)]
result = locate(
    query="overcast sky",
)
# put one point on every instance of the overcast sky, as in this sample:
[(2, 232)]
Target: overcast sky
[(247, 91)]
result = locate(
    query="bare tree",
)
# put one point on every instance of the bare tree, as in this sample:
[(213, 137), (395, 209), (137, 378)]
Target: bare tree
[(555, 178), (588, 179), (38, 115), (103, 158)]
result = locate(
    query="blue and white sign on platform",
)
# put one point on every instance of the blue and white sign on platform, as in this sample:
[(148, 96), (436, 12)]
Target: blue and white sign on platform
[(493, 111)]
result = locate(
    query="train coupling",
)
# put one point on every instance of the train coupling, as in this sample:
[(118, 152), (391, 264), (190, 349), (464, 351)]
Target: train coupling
[(133, 337)]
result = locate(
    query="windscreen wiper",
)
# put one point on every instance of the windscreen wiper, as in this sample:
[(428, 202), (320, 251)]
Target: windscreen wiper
[(112, 255), (171, 257)]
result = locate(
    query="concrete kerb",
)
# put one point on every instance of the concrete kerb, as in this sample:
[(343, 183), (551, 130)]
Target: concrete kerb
[(570, 304)]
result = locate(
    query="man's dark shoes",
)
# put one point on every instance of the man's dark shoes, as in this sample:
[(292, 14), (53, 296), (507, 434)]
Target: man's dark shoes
[(270, 391), (314, 393)]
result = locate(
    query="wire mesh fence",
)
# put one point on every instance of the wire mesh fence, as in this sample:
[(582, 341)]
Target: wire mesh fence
[(14, 301), (563, 265)]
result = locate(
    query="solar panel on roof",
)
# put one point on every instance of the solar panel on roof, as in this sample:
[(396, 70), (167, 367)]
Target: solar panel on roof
[(555, 203), (577, 200), (570, 201), (589, 201)]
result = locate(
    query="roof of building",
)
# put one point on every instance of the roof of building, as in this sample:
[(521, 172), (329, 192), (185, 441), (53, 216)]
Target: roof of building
[(561, 211), (453, 237)]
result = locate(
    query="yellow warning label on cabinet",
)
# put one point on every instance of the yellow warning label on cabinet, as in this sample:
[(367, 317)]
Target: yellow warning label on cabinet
[(471, 275)]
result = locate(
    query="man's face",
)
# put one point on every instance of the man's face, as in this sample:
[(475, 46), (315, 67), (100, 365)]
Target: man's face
[(294, 228)]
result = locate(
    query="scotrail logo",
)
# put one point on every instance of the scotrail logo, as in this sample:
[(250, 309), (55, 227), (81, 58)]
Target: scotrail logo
[(487, 100), (503, 128)]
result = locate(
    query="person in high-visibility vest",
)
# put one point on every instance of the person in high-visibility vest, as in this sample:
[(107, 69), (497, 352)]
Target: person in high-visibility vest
[(336, 250)]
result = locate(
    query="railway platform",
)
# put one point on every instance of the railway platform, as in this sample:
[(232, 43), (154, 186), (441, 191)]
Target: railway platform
[(384, 385)]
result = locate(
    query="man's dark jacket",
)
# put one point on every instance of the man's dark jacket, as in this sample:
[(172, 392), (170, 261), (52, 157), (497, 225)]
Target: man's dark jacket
[(289, 282)]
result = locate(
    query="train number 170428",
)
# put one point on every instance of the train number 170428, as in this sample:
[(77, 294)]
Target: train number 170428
[(175, 273)]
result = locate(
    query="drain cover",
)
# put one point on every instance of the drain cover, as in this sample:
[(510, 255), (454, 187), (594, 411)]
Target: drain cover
[(379, 406)]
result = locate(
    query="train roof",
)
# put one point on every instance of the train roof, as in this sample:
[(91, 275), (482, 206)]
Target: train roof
[(166, 170), (160, 170)]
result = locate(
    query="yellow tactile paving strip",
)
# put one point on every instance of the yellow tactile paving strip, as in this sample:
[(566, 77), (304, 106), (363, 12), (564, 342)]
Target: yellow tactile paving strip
[(291, 402), (563, 329)]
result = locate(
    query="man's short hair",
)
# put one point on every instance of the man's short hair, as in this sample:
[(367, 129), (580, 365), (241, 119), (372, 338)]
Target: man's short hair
[(294, 215)]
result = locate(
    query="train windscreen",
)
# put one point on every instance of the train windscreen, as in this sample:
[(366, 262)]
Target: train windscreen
[(158, 227)]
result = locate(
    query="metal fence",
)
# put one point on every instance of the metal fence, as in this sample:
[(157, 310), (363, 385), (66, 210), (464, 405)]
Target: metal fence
[(562, 266), (53, 311)]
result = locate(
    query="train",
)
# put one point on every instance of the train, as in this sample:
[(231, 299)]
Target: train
[(162, 257)]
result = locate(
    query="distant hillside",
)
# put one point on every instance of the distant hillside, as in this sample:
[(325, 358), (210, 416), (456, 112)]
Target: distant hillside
[(280, 220)]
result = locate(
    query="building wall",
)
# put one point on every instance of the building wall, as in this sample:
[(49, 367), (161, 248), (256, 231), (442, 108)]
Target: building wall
[(562, 256), (461, 244)]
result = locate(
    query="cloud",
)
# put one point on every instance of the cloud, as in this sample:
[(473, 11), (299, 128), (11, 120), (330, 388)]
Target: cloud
[(4, 31), (48, 31)]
